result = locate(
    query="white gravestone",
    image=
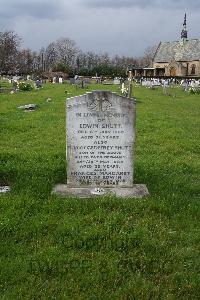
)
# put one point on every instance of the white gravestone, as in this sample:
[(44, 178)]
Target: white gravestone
[(100, 142), (116, 81)]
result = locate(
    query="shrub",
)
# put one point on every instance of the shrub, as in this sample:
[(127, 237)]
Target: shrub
[(194, 90), (25, 86)]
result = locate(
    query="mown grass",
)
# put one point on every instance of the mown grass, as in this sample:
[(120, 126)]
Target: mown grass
[(105, 248)]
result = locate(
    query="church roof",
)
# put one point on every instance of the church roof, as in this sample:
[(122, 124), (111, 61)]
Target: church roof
[(184, 50)]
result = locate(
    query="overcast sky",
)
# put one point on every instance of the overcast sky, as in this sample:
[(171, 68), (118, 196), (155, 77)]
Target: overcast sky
[(123, 27)]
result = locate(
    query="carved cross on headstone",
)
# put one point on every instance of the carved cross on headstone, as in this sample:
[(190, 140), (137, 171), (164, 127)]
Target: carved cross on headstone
[(100, 104)]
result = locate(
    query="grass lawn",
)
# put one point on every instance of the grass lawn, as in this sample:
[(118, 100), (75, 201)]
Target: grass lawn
[(105, 248)]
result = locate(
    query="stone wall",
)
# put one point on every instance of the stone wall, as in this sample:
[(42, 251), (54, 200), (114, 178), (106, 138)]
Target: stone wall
[(182, 68)]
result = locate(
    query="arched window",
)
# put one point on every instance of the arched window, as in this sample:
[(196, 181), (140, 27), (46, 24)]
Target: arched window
[(193, 69)]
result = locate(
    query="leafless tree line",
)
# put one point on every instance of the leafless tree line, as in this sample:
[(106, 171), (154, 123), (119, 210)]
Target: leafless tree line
[(62, 55)]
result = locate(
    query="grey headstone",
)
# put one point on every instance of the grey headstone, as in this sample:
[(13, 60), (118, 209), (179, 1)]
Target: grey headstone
[(100, 143), (87, 80), (72, 80)]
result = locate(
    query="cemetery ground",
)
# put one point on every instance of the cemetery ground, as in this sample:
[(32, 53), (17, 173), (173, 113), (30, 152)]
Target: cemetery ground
[(101, 248)]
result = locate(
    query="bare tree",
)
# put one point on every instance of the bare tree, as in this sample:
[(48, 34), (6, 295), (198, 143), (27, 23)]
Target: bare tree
[(104, 59), (92, 60), (9, 48), (148, 56), (51, 56), (63, 51), (25, 61), (81, 60), (66, 51), (37, 63)]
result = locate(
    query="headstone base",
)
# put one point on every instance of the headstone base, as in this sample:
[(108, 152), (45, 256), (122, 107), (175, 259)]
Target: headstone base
[(136, 191)]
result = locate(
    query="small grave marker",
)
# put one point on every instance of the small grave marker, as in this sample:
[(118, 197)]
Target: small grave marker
[(5, 189), (28, 107)]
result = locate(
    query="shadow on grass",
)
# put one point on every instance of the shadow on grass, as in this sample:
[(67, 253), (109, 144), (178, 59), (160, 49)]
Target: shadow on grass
[(171, 183), (32, 175), (37, 176)]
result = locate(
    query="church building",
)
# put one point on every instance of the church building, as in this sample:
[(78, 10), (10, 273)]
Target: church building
[(174, 59)]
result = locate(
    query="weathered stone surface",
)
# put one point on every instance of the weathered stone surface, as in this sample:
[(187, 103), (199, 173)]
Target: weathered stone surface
[(136, 191), (100, 141), (100, 138)]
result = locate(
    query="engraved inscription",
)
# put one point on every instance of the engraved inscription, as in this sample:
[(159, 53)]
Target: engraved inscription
[(100, 137)]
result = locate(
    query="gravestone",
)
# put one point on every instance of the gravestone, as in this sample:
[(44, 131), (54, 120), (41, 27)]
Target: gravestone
[(116, 81), (100, 146), (87, 80), (72, 80)]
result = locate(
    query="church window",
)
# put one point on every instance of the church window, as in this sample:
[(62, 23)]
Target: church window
[(193, 69)]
